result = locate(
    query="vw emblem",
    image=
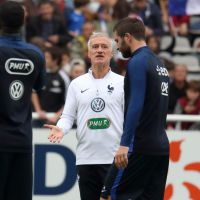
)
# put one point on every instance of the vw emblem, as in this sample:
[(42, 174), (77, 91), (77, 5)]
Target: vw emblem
[(16, 90), (97, 104)]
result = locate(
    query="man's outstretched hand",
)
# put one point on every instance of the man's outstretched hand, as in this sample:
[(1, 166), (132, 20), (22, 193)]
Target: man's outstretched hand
[(56, 133)]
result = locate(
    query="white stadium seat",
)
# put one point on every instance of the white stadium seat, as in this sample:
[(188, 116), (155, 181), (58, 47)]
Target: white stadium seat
[(191, 61), (182, 45)]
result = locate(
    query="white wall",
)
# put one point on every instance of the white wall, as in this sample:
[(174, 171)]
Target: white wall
[(183, 178)]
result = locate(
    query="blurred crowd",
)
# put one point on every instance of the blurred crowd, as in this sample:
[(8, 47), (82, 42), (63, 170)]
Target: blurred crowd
[(61, 28)]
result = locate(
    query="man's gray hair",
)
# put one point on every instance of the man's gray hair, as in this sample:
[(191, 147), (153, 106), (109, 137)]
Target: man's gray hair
[(101, 34)]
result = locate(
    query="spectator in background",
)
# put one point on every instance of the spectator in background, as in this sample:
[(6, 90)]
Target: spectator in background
[(109, 12), (153, 43), (165, 15), (121, 9), (179, 25), (78, 46), (179, 21), (78, 68), (52, 97), (47, 26), (65, 60), (190, 103), (173, 18), (150, 14), (177, 88), (15, 107), (76, 18), (31, 7)]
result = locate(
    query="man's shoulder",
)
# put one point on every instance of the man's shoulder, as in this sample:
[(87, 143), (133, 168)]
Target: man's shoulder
[(81, 79), (18, 43), (32, 47), (116, 76)]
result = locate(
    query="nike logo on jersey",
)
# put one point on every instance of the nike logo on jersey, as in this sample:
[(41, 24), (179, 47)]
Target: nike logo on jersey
[(84, 90)]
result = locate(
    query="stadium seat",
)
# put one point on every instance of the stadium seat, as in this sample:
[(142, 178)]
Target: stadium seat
[(191, 61), (165, 42), (165, 54), (196, 44), (182, 45)]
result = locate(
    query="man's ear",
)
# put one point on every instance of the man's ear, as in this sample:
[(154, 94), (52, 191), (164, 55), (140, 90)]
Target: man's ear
[(127, 37)]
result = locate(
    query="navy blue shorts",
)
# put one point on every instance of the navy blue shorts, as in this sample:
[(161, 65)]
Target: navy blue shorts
[(16, 176), (143, 179)]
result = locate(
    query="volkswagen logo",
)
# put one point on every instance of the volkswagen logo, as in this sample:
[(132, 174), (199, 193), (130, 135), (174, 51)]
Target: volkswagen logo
[(97, 104), (16, 90)]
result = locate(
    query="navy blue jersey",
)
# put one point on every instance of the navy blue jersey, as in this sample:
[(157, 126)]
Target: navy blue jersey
[(21, 70), (146, 104)]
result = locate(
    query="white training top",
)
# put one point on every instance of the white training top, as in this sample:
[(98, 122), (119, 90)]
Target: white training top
[(98, 105)]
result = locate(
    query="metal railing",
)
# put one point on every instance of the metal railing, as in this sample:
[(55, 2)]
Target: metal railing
[(170, 117)]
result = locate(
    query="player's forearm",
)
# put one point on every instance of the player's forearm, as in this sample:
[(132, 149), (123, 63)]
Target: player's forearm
[(36, 102)]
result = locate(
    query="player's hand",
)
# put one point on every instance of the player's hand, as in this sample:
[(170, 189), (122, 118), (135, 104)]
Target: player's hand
[(56, 133), (54, 39), (121, 157)]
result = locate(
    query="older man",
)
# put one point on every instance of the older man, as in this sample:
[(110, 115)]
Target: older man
[(96, 100)]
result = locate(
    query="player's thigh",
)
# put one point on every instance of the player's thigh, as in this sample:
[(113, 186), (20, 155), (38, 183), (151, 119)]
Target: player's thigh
[(5, 167), (90, 180), (134, 178), (155, 187), (19, 186)]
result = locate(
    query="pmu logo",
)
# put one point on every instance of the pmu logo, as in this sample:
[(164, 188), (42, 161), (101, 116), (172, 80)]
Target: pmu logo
[(97, 104), (19, 66)]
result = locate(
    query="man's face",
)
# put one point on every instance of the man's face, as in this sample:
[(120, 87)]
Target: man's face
[(100, 51), (87, 30), (50, 63), (46, 11), (141, 4), (180, 73), (77, 70), (122, 45)]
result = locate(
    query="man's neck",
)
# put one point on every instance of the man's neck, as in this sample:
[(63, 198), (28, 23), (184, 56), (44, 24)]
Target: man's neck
[(9, 32), (137, 44), (100, 71), (180, 84)]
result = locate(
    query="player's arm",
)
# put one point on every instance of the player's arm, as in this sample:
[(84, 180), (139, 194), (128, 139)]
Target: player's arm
[(56, 116), (66, 120), (39, 82), (37, 106), (137, 81)]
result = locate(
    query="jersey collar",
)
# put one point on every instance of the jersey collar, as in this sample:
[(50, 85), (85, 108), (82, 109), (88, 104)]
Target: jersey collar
[(91, 75)]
